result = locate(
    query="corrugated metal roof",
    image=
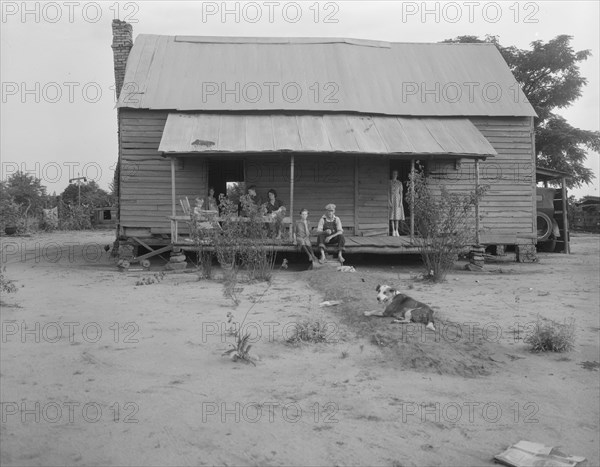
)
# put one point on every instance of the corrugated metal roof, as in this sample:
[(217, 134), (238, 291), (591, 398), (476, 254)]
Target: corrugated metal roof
[(330, 75), (328, 133)]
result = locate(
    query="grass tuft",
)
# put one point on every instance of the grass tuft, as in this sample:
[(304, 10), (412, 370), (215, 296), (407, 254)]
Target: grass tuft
[(310, 331), (550, 336)]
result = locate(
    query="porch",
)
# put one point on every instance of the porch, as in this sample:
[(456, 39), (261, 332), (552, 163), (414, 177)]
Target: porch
[(354, 245), (312, 160)]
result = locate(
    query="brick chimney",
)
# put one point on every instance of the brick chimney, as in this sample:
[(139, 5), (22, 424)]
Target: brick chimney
[(122, 43)]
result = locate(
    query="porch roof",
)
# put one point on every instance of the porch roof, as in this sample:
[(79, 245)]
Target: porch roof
[(208, 133)]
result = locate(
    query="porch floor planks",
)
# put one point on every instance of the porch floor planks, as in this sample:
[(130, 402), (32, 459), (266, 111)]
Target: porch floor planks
[(379, 241), (371, 245)]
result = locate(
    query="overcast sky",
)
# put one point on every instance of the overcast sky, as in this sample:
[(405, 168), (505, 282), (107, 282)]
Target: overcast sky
[(58, 118)]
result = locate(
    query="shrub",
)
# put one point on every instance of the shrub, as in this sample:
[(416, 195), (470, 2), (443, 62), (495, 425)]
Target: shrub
[(444, 224), (204, 261), (6, 285), (551, 336), (239, 241), (309, 331), (73, 217), (9, 212)]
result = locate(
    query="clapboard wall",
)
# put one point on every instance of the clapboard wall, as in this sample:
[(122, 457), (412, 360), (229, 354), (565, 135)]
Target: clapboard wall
[(358, 185), (145, 182), (507, 211)]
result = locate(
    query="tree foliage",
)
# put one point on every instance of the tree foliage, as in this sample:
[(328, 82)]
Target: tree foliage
[(550, 78), (25, 190), (91, 195)]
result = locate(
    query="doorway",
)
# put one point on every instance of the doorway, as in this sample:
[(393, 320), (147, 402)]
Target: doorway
[(226, 176), (403, 168)]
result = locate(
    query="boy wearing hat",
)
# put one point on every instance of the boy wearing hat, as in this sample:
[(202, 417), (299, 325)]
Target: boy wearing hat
[(330, 230)]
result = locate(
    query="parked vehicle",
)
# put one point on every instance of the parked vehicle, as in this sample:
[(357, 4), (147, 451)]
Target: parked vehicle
[(549, 220)]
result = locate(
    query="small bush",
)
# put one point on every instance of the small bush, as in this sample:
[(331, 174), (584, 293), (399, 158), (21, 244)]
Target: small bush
[(230, 284), (239, 244), (9, 213), (155, 279), (444, 221), (309, 331), (6, 285), (74, 217), (241, 350), (551, 336)]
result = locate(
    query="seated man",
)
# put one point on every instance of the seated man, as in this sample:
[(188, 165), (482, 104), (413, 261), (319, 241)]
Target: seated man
[(330, 230)]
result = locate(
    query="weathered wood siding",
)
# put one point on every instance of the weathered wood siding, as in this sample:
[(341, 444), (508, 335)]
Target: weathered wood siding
[(145, 188), (507, 210), (318, 180), (146, 177), (373, 191)]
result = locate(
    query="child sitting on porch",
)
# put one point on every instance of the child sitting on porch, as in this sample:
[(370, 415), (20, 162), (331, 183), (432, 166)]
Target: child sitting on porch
[(302, 235), (198, 207)]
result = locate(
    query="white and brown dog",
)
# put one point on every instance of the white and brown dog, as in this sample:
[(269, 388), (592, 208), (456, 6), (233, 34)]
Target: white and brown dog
[(402, 307)]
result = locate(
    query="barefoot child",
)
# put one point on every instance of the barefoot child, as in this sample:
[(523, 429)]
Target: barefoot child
[(302, 235)]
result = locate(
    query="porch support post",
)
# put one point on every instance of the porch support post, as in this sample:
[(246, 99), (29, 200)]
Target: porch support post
[(291, 197), (412, 200), (477, 236), (173, 208), (356, 226), (173, 211), (565, 207)]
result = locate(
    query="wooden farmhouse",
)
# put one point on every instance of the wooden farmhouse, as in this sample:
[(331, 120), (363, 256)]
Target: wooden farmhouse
[(320, 120)]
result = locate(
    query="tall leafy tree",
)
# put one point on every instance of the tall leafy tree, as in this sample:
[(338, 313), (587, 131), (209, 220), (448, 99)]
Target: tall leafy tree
[(26, 190), (550, 78)]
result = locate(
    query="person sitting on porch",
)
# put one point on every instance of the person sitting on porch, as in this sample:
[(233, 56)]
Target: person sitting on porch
[(330, 230), (250, 198), (276, 211), (210, 202), (198, 207), (302, 235)]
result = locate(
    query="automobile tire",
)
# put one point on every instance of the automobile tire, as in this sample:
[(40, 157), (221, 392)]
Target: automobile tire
[(544, 226)]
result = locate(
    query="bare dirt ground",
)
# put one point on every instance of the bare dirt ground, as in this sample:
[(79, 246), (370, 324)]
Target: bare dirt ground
[(96, 370)]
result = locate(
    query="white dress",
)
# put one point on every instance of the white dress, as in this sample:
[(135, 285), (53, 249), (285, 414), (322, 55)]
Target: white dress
[(396, 208)]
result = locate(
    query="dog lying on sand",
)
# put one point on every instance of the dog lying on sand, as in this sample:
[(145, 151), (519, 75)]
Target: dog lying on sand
[(402, 307)]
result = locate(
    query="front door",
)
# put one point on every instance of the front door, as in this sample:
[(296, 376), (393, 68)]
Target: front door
[(403, 168), (225, 173)]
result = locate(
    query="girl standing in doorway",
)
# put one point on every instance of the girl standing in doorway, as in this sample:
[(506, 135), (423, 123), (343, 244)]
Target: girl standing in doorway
[(395, 203)]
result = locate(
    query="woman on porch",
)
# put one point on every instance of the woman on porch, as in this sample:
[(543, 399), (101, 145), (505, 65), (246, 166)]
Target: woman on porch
[(276, 211), (395, 203), (210, 201)]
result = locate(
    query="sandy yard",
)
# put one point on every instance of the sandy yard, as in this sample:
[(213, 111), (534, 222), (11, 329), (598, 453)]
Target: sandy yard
[(98, 371)]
